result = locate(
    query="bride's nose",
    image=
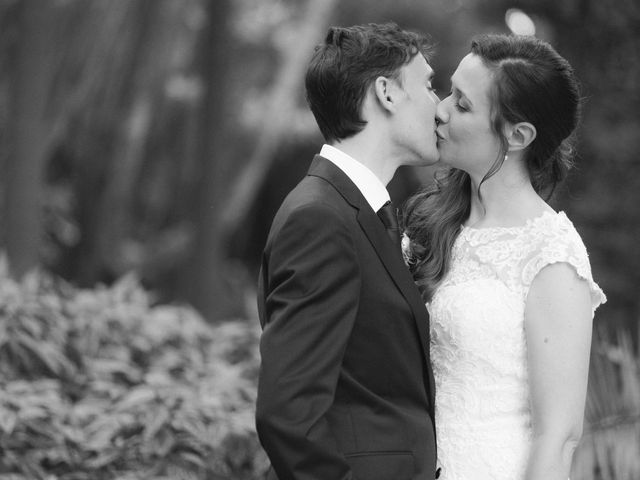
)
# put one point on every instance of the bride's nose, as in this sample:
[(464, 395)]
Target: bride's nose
[(441, 112)]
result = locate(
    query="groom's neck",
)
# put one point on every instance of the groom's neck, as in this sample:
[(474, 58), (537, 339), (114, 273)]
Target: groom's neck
[(373, 152)]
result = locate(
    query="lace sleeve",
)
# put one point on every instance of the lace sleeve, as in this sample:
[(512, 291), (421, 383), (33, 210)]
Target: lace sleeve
[(561, 243)]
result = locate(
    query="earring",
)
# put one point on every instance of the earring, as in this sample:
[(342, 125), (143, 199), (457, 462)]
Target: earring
[(506, 157)]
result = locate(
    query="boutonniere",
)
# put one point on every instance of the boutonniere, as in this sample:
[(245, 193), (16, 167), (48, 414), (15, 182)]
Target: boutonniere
[(405, 245)]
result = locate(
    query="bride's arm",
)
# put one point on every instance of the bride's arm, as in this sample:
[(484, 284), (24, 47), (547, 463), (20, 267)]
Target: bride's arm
[(558, 325)]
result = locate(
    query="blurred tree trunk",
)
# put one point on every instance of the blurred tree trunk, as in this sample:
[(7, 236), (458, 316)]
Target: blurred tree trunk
[(226, 192), (122, 110), (105, 119), (282, 103), (33, 69), (114, 209), (205, 279)]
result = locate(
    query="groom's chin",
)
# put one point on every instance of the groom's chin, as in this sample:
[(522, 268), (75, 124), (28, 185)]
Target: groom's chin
[(432, 159)]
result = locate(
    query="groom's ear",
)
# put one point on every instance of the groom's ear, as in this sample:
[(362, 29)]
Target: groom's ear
[(520, 135), (386, 93)]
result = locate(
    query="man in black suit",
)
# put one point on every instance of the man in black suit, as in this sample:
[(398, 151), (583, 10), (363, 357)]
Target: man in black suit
[(346, 389)]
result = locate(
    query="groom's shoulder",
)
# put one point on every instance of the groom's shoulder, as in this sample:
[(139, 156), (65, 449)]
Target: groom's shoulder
[(314, 201), (305, 213), (313, 190)]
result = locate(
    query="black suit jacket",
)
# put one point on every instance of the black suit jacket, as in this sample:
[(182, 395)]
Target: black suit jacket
[(346, 389)]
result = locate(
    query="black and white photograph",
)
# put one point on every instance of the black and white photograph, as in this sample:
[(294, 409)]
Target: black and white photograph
[(319, 240)]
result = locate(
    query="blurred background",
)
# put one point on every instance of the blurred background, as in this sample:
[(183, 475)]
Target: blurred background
[(153, 140)]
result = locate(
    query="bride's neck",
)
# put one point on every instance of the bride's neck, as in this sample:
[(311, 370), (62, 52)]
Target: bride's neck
[(504, 200)]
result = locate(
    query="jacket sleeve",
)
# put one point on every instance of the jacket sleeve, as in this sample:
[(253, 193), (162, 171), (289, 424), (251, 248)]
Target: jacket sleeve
[(311, 293)]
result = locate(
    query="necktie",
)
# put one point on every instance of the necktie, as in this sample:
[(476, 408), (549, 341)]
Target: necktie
[(389, 217)]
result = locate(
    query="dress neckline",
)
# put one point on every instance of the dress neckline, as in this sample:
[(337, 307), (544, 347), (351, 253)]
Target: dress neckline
[(517, 228)]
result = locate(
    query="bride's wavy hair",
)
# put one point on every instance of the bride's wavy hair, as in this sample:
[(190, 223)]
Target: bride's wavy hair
[(531, 83)]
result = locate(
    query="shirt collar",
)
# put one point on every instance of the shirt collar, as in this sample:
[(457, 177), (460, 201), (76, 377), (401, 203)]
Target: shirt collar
[(372, 189)]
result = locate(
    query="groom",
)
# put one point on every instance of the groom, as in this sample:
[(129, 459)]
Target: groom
[(346, 389)]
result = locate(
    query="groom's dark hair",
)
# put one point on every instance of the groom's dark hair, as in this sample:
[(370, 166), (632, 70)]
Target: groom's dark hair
[(347, 63)]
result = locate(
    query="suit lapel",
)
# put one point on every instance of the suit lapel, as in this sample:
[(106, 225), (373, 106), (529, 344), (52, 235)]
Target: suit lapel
[(374, 230), (394, 264)]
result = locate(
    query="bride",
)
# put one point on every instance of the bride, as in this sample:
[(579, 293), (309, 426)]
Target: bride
[(507, 280)]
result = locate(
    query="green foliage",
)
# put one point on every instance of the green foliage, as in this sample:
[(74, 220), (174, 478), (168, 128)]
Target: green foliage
[(101, 384)]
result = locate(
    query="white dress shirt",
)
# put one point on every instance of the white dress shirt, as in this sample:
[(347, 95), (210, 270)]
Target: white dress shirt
[(372, 189)]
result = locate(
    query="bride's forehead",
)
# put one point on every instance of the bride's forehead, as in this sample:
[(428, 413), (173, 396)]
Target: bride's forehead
[(471, 69), (472, 76)]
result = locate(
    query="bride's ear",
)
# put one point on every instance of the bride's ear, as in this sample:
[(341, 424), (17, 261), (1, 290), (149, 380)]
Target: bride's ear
[(386, 93), (520, 135)]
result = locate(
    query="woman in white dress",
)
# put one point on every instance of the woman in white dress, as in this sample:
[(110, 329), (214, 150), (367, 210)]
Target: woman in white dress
[(507, 280)]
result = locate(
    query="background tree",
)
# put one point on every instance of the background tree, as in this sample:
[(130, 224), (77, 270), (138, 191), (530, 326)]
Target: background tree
[(32, 66)]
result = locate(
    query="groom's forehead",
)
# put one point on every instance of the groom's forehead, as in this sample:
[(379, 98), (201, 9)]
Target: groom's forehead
[(419, 66), (430, 72)]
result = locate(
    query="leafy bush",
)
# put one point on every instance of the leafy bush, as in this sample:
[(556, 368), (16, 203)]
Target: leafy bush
[(101, 384), (610, 447)]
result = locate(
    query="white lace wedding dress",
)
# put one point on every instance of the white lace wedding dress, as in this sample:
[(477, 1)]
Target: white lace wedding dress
[(478, 348)]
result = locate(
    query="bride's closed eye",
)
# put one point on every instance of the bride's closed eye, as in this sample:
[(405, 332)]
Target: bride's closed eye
[(457, 101), (460, 108)]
